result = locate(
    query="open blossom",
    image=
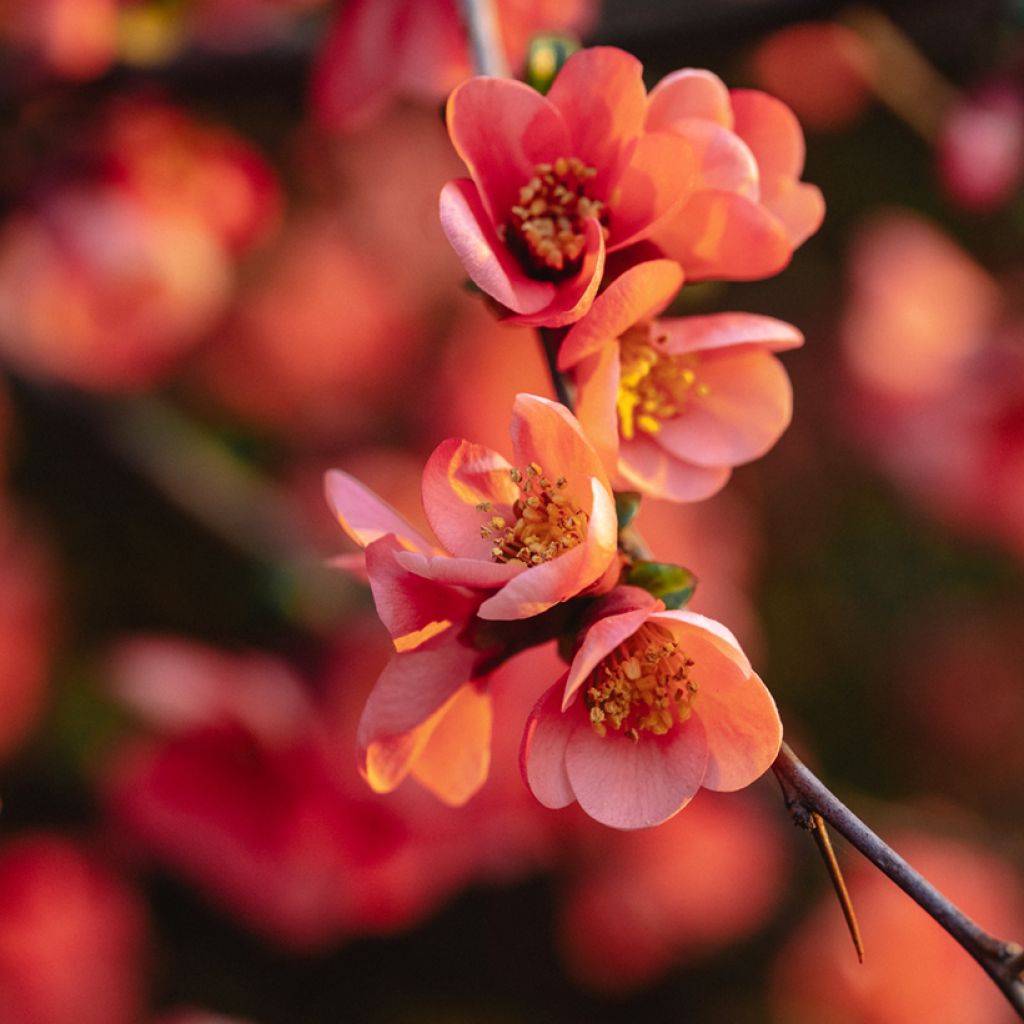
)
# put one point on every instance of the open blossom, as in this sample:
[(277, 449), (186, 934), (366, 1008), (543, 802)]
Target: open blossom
[(672, 404), (655, 705), (748, 210), (557, 182), (534, 532)]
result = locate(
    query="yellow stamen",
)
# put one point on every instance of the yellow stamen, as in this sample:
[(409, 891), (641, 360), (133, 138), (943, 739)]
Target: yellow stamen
[(642, 686), (653, 386)]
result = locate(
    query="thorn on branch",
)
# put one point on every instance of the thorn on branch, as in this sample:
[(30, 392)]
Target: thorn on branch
[(828, 855)]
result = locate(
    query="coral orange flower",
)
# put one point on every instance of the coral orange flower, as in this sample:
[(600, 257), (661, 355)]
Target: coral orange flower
[(655, 705), (673, 404), (749, 210), (557, 182)]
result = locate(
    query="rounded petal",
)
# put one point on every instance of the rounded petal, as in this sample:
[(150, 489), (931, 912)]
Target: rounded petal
[(572, 297), (654, 186), (647, 467), (502, 129), (722, 160), (458, 477), (772, 132), (455, 760), (639, 293), (624, 784), (365, 517), (685, 623), (545, 432), (744, 731), (727, 330), (541, 586), (749, 403), (799, 207), (405, 706), (600, 94), (725, 236), (542, 753), (690, 93), (489, 264)]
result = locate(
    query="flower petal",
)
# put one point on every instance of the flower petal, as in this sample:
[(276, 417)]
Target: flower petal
[(545, 432), (597, 390), (455, 760), (722, 160), (639, 293), (685, 623), (772, 132), (685, 94), (653, 187), (725, 236), (402, 709), (645, 466), (624, 784), (726, 330), (458, 477), (542, 753), (749, 403), (480, 573), (600, 94), (365, 517), (487, 261), (502, 129)]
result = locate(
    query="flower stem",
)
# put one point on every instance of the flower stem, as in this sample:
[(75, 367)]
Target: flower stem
[(481, 20), (806, 796)]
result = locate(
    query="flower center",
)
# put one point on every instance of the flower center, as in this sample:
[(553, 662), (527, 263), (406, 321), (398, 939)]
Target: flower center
[(642, 686), (653, 386), (545, 228), (547, 521)]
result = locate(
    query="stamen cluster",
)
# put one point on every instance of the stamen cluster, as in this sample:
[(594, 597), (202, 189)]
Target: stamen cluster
[(546, 226), (653, 386), (547, 521), (642, 686)]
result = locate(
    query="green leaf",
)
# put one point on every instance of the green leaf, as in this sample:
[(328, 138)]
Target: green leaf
[(627, 504), (545, 58), (672, 583)]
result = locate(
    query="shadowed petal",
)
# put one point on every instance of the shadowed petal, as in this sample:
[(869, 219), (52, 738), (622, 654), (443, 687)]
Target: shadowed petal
[(542, 753), (749, 403), (721, 159), (490, 265), (639, 293), (645, 466), (597, 389), (365, 517), (481, 573), (624, 784), (454, 762), (457, 478)]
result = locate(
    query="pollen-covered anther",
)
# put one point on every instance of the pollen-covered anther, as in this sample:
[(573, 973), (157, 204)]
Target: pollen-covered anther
[(642, 686), (545, 520), (654, 386), (545, 227)]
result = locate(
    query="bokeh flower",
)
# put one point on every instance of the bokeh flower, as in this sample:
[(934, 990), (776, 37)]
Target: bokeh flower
[(673, 404), (655, 705)]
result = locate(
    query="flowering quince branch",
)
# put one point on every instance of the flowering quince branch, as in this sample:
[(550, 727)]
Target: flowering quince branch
[(480, 18), (806, 796)]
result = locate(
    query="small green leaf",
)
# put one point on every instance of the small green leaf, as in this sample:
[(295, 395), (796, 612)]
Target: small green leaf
[(672, 583), (546, 56), (627, 504)]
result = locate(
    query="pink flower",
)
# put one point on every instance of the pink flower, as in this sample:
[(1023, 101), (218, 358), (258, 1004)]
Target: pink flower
[(655, 705), (673, 404), (531, 534), (378, 50), (748, 210), (557, 182)]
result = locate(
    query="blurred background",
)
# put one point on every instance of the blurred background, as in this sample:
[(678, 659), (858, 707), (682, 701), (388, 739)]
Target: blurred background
[(221, 272)]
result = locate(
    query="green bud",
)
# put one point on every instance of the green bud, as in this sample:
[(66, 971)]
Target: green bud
[(672, 583), (627, 504), (545, 58)]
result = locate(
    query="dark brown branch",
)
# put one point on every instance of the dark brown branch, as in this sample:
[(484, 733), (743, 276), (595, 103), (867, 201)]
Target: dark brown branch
[(806, 795)]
